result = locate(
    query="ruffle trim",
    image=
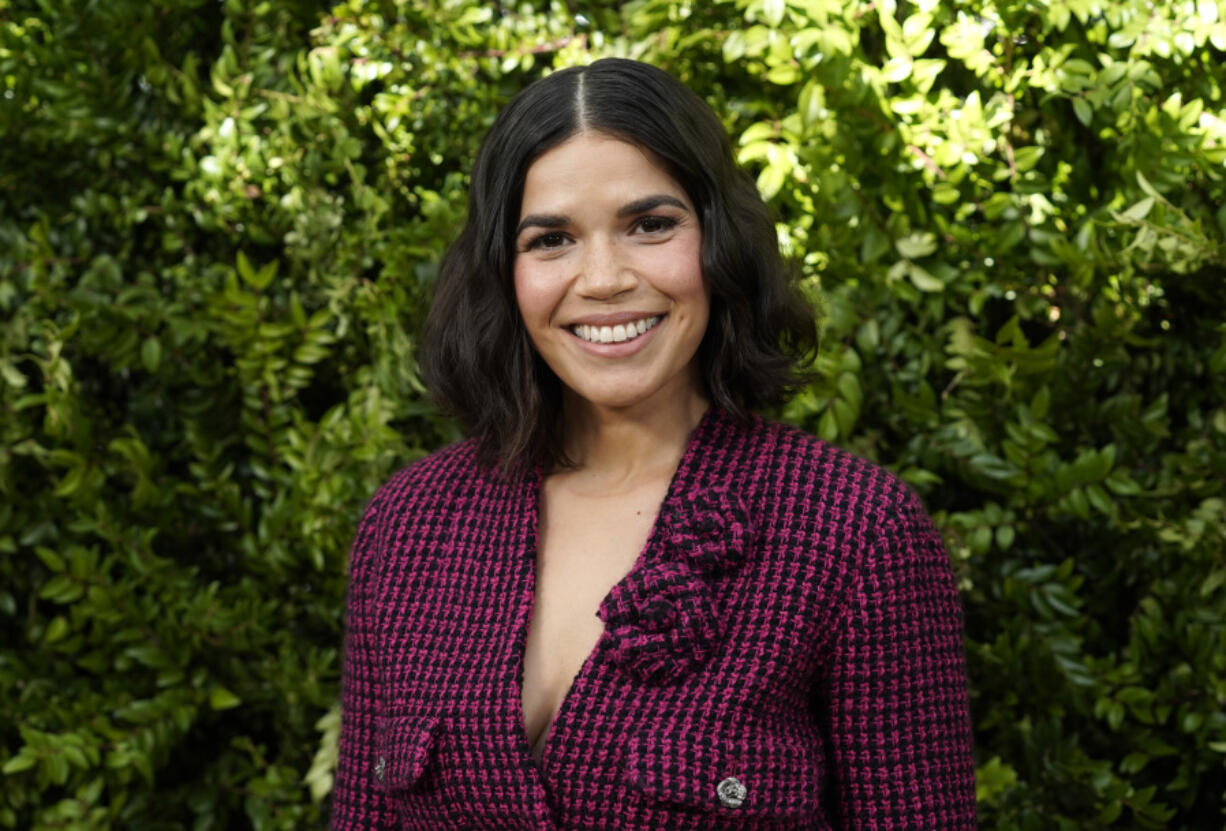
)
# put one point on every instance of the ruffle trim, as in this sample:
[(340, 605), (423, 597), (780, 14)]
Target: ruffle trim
[(661, 622)]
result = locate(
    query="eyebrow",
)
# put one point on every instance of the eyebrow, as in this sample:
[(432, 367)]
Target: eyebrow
[(638, 206), (648, 203)]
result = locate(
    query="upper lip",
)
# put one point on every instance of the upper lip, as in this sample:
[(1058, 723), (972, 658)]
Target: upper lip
[(613, 318)]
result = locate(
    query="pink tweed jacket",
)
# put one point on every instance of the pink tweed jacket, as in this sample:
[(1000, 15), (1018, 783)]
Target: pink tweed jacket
[(786, 653)]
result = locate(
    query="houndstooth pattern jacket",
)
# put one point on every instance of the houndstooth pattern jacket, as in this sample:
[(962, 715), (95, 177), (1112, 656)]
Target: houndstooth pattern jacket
[(786, 653)]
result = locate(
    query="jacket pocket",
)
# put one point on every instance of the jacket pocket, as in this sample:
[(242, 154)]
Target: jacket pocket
[(757, 773), (405, 746)]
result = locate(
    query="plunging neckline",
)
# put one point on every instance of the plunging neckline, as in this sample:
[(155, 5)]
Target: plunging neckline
[(535, 483), (537, 751)]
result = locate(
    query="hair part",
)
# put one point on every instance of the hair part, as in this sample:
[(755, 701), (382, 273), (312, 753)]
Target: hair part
[(476, 356), (580, 107)]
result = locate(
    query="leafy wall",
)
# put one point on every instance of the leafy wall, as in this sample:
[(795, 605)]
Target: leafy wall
[(220, 225)]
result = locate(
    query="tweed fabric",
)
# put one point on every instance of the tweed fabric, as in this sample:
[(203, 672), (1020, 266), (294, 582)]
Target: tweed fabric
[(791, 624)]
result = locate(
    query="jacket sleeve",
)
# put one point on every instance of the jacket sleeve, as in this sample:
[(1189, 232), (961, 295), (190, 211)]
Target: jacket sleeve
[(898, 716), (356, 803)]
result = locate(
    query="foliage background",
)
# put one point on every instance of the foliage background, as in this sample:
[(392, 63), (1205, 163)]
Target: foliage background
[(220, 224)]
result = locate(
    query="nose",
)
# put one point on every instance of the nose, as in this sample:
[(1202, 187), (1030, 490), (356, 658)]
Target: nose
[(603, 271)]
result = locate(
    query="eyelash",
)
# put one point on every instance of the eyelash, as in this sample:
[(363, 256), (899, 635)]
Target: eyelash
[(539, 241), (663, 223)]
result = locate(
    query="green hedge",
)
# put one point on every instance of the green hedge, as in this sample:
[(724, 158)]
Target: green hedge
[(220, 225)]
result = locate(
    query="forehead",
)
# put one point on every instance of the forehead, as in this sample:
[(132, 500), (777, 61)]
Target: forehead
[(595, 166)]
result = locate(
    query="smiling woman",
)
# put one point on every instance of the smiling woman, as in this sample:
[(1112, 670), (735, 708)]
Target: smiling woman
[(626, 601), (604, 250), (760, 329)]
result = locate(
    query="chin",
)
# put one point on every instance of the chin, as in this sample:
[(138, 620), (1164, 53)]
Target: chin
[(672, 392), (610, 401)]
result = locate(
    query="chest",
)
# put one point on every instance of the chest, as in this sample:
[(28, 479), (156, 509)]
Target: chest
[(586, 544)]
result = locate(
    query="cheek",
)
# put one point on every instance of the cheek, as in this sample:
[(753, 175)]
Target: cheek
[(517, 282), (680, 274), (535, 295)]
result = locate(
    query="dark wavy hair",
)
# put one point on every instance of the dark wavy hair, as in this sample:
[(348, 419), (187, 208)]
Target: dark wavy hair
[(476, 356)]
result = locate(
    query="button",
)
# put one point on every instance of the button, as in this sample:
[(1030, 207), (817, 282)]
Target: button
[(731, 792), (380, 769)]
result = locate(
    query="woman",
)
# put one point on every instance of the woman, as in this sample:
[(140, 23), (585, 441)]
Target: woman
[(626, 602)]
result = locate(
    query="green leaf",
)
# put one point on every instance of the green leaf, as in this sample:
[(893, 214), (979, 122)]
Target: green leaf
[(1213, 582), (868, 336), (57, 629), (1040, 405), (50, 558), (1083, 110), (873, 246), (151, 353), (21, 762), (12, 375), (897, 69), (71, 482), (221, 698), (849, 388), (915, 246), (1004, 537), (1110, 812), (772, 11), (994, 778), (771, 180), (1025, 158), (992, 466), (783, 75), (1145, 186), (1140, 210), (923, 280), (827, 426), (258, 280), (925, 71), (62, 588), (245, 269), (809, 104)]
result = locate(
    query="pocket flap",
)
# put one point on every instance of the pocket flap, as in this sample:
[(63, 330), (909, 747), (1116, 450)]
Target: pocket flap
[(758, 773), (404, 746)]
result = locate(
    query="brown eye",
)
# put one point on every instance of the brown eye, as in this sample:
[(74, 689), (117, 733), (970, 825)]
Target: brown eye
[(656, 224), (553, 239)]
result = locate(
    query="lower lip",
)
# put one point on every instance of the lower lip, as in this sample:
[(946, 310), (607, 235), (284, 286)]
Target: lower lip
[(619, 350)]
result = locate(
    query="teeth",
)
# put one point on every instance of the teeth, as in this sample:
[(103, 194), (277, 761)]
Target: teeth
[(615, 334)]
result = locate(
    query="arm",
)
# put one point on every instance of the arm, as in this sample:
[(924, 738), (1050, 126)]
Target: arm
[(356, 804), (896, 691)]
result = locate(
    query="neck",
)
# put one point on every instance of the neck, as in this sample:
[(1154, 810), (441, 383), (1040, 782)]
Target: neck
[(627, 445)]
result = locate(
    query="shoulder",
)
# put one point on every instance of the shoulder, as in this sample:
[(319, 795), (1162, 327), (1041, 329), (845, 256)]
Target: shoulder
[(833, 509), (853, 517), (809, 475), (431, 483), (427, 500)]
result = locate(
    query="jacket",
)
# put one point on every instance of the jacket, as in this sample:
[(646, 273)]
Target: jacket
[(785, 653)]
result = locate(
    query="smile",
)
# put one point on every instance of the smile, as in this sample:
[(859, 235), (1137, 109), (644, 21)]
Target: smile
[(615, 334)]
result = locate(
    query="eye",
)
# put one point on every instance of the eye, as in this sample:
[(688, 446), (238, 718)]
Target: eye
[(546, 242), (655, 224)]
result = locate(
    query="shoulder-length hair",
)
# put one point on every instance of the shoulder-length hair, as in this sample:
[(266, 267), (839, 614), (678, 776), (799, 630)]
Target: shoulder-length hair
[(476, 356)]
